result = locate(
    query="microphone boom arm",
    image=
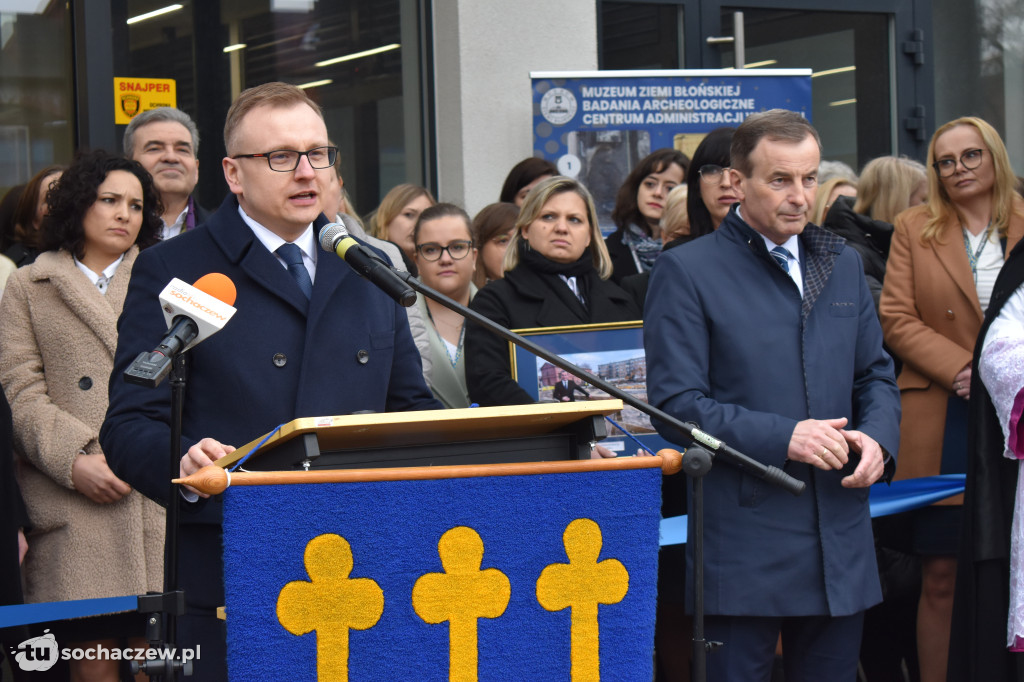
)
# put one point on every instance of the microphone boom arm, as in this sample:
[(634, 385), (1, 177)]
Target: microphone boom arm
[(689, 430)]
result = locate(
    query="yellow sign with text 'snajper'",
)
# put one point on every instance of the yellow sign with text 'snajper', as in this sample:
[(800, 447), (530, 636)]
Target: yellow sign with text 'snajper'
[(135, 95)]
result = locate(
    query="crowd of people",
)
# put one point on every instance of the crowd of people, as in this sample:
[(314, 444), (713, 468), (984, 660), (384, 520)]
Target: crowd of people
[(847, 329)]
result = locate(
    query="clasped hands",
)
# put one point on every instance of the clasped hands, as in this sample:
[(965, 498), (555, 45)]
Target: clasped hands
[(826, 445)]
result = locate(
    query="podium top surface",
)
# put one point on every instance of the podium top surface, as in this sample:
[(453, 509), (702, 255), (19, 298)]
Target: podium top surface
[(396, 429)]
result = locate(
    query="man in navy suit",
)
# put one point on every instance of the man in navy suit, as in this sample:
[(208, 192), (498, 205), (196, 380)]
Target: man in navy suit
[(764, 333), (315, 339), (565, 388)]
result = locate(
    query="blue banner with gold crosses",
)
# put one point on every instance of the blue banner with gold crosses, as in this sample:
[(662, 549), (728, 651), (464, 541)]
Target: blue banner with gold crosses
[(539, 577)]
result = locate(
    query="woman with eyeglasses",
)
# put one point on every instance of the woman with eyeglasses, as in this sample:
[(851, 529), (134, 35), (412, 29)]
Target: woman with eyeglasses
[(636, 241), (710, 188), (446, 258), (943, 262), (556, 274)]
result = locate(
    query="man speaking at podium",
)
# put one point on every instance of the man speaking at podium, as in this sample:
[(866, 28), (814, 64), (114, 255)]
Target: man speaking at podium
[(312, 338), (765, 334)]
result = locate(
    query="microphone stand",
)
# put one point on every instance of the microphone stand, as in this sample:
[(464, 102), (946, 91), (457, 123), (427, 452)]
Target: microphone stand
[(697, 463), (163, 609)]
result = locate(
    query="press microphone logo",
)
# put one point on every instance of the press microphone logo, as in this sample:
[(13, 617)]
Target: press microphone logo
[(37, 654), (185, 295)]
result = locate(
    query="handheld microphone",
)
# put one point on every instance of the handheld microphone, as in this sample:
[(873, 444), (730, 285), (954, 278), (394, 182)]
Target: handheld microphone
[(334, 237), (193, 313)]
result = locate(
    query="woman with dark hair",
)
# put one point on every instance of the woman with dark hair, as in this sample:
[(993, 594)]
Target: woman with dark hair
[(446, 258), (636, 242), (91, 535), (711, 193), (940, 276), (523, 177), (492, 231), (556, 273), (28, 216)]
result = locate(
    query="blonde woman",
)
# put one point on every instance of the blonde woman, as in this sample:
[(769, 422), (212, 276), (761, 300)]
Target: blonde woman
[(556, 273), (887, 186), (943, 263), (826, 196), (396, 217), (890, 185)]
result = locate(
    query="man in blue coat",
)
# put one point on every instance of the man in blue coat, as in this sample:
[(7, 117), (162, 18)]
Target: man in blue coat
[(315, 339), (764, 333)]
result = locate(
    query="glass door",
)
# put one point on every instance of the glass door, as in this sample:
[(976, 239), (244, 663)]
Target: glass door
[(849, 54), (871, 87)]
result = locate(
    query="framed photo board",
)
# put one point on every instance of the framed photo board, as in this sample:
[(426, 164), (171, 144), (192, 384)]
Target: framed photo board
[(614, 352)]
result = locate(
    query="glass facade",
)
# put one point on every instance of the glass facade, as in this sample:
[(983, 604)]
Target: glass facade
[(36, 95), (979, 66), (848, 53), (354, 59), (367, 62)]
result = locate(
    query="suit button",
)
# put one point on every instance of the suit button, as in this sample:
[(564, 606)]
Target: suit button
[(280, 359), (950, 315), (85, 383), (363, 357)]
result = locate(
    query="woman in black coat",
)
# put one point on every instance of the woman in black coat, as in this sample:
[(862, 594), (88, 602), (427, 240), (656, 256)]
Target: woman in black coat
[(556, 274), (636, 241), (888, 185)]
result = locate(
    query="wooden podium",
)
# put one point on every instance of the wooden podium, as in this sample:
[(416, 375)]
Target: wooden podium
[(479, 435), (365, 547)]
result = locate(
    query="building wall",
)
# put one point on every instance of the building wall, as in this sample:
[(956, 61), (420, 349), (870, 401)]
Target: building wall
[(483, 55)]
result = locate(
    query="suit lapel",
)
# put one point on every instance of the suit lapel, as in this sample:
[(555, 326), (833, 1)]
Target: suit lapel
[(330, 273), (241, 247), (819, 248)]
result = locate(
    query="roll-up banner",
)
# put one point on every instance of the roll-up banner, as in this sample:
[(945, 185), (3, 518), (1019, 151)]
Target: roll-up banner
[(597, 125)]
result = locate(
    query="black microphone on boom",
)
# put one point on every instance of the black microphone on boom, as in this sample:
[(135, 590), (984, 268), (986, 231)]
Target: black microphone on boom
[(334, 237)]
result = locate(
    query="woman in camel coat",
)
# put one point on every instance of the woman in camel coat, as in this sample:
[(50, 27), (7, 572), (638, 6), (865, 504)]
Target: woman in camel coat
[(92, 535), (943, 262)]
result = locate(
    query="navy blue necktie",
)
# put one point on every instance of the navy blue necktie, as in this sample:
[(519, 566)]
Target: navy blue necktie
[(292, 256), (781, 256)]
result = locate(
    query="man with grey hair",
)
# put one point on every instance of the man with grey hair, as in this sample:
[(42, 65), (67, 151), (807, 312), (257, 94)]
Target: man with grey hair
[(765, 334), (165, 141)]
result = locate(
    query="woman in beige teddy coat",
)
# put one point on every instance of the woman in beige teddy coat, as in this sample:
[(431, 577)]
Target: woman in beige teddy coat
[(91, 535)]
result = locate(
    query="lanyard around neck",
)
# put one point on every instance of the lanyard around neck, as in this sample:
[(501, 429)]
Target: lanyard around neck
[(972, 258)]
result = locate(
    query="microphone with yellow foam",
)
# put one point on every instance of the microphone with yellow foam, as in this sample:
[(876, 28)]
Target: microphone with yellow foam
[(334, 237)]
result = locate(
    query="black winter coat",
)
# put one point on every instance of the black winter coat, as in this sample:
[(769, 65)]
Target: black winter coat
[(525, 299), (623, 263), (977, 648), (870, 238)]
